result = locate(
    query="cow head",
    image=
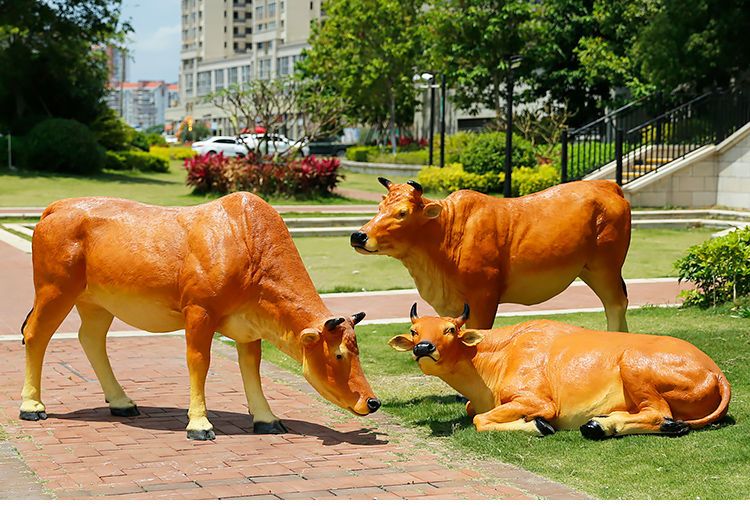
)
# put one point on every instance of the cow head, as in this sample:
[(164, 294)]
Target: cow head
[(401, 215), (437, 343), (330, 363)]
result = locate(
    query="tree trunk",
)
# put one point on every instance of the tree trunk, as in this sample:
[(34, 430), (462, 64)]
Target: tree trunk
[(393, 123)]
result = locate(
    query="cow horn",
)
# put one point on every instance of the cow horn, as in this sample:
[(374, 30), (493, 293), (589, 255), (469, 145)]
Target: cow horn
[(333, 323), (356, 318), (385, 182), (464, 316), (416, 185), (413, 313)]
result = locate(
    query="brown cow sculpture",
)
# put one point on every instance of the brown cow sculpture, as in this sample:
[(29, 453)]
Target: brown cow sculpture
[(542, 376), (487, 250), (228, 266)]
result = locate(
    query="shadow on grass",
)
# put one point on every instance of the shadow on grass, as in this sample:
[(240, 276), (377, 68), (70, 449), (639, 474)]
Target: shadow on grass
[(438, 413), (224, 422), (107, 176)]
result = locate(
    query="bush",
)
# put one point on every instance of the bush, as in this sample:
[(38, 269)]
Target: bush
[(455, 144), (486, 153), (361, 153), (112, 132), (720, 269), (115, 161), (309, 176), (419, 157), (19, 150), (63, 145), (144, 162), (453, 177), (526, 180), (172, 152)]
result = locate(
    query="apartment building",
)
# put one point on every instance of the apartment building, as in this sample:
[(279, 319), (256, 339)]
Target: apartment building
[(235, 41), (141, 104)]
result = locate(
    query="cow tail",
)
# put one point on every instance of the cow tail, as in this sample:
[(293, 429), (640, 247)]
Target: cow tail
[(720, 411), (23, 326)]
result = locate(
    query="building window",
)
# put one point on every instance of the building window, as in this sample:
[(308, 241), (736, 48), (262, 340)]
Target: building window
[(204, 83), (271, 25), (264, 68), (189, 85), (282, 65), (218, 79), (233, 75), (245, 73), (271, 9), (259, 12)]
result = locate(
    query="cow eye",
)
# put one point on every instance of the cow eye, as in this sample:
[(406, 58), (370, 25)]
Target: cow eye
[(339, 356), (449, 330), (413, 333), (402, 214)]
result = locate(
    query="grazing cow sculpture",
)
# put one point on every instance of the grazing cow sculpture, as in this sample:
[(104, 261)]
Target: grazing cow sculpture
[(542, 376), (228, 266), (487, 250)]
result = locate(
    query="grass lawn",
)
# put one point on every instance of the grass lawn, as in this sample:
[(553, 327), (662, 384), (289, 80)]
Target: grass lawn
[(706, 464), (25, 188)]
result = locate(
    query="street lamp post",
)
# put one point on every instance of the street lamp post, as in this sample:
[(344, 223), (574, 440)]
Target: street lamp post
[(513, 62), (442, 120), (429, 78), (432, 118)]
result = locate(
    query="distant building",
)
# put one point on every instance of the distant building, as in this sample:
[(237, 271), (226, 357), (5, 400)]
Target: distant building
[(235, 41), (142, 104), (118, 65)]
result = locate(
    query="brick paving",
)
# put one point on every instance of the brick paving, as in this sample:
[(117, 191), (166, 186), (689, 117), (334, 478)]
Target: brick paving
[(82, 451)]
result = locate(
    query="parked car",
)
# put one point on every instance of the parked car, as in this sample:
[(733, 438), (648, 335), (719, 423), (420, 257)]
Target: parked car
[(239, 146), (171, 139), (228, 146), (274, 143), (330, 147)]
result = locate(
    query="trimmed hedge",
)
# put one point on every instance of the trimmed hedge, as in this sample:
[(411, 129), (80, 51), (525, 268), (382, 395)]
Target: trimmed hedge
[(172, 152), (361, 153), (485, 153), (453, 177), (526, 180), (63, 145), (136, 160)]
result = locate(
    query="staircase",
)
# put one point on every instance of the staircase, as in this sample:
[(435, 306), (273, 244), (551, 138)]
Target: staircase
[(631, 142)]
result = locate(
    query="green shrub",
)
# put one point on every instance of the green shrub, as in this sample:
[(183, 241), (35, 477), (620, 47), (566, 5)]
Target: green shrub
[(720, 269), (455, 144), (526, 180), (172, 152), (112, 132), (361, 153), (419, 157), (453, 177), (115, 161), (144, 162), (63, 145), (486, 153), (19, 151)]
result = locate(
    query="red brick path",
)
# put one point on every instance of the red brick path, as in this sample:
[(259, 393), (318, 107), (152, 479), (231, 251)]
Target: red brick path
[(82, 451)]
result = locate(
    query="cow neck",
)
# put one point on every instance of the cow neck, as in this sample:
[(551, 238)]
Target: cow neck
[(290, 306), (467, 380)]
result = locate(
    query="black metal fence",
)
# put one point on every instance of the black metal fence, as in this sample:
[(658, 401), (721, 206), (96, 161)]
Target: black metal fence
[(639, 142)]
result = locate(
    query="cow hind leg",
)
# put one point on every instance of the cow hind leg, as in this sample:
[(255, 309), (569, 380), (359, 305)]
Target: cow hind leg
[(623, 423), (264, 421), (522, 414), (199, 332), (95, 322), (51, 306), (611, 290)]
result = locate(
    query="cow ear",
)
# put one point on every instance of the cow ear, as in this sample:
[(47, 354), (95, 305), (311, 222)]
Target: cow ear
[(309, 337), (401, 343), (432, 210), (471, 337)]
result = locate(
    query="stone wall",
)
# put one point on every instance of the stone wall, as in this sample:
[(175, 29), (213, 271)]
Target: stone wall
[(734, 174)]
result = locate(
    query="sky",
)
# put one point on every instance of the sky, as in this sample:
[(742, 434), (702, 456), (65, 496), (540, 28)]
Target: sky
[(155, 41)]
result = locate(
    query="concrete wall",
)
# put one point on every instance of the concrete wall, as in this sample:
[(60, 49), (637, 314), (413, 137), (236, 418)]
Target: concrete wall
[(693, 186), (734, 174)]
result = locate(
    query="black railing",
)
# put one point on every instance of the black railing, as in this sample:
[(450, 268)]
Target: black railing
[(708, 119), (637, 141)]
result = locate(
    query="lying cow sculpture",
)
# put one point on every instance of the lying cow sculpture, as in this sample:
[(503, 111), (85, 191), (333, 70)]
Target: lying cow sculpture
[(542, 376), (228, 266), (487, 250)]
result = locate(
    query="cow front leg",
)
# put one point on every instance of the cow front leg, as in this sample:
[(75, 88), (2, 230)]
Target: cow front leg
[(264, 421), (623, 423), (199, 332), (527, 415), (95, 322)]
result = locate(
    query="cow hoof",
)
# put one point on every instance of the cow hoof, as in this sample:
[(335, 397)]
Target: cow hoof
[(462, 399), (131, 411), (33, 416), (543, 426), (672, 427), (592, 430), (275, 427), (201, 435)]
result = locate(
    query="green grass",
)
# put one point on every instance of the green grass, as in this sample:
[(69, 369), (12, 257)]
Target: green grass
[(653, 251), (706, 464), (27, 188)]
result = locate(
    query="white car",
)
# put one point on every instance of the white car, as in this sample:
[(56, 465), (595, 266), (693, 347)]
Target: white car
[(236, 146)]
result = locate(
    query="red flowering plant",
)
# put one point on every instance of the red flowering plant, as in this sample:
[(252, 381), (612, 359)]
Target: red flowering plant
[(206, 174)]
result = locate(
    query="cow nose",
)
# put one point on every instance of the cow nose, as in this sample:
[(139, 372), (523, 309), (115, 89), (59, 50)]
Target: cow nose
[(358, 239), (373, 404), (423, 349)]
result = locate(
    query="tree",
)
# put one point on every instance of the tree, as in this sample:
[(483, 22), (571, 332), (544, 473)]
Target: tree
[(367, 52), (51, 60), (472, 40)]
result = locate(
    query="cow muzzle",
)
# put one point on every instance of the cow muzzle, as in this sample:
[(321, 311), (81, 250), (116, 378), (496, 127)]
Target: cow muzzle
[(359, 241), (424, 349)]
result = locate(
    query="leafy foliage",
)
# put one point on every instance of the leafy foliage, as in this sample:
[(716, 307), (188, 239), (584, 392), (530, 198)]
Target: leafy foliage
[(486, 153), (453, 177), (361, 153), (172, 152), (720, 269), (63, 145), (526, 180)]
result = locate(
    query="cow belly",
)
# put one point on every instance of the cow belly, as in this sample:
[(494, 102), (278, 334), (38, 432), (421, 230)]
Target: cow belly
[(149, 313), (529, 287)]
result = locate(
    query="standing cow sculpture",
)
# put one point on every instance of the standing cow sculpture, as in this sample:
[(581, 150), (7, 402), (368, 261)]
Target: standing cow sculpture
[(542, 376), (228, 266), (487, 250)]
